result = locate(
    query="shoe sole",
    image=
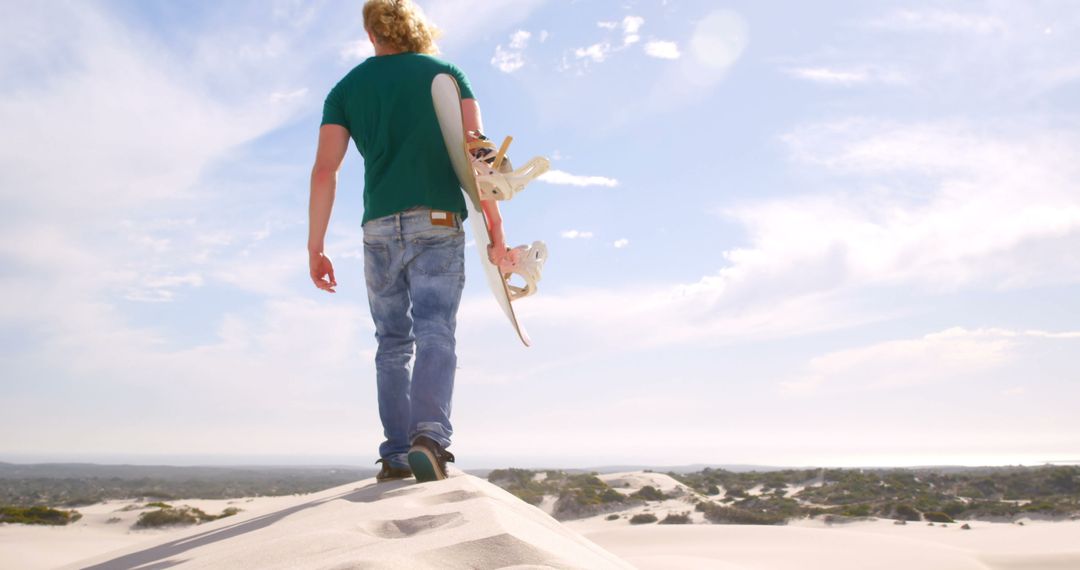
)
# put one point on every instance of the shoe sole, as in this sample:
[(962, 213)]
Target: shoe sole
[(424, 465)]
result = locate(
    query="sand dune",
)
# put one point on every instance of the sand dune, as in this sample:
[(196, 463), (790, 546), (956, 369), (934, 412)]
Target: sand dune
[(465, 522), (809, 545), (462, 522)]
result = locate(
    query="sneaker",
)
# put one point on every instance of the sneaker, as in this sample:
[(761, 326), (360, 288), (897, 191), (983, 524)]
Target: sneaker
[(391, 473), (428, 460)]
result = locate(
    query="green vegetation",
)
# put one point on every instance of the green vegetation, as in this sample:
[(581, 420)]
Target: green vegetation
[(523, 484), (676, 518), (937, 516), (774, 497), (720, 514), (183, 515), (904, 494), (37, 515), (73, 485), (649, 493), (906, 513), (643, 518), (578, 495)]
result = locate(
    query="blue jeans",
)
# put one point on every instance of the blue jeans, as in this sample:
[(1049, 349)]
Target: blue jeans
[(415, 272)]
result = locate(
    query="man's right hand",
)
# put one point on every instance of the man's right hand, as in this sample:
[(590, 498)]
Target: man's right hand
[(322, 271)]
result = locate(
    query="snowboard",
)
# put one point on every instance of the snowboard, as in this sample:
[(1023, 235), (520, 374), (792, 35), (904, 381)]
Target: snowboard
[(446, 97)]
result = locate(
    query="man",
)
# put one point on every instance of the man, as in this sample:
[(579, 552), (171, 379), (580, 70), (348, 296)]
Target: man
[(413, 238)]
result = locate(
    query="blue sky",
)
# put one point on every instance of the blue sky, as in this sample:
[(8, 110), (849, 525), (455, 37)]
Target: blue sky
[(831, 233)]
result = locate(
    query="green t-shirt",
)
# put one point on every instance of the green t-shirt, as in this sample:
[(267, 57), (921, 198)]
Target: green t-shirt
[(385, 103)]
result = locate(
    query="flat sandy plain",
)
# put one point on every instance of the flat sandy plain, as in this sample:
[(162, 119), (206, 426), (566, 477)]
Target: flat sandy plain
[(465, 522)]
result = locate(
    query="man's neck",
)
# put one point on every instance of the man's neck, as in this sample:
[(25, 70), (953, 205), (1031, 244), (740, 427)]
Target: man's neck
[(380, 50)]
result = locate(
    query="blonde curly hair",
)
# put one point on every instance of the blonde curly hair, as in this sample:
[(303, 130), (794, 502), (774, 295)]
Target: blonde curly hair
[(400, 24)]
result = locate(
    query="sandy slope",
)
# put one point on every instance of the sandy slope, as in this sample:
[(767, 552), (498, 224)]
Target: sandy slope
[(462, 522), (32, 547), (856, 546)]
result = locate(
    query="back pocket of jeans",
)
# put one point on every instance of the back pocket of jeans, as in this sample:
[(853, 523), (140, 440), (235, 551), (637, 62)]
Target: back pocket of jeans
[(440, 252), (376, 265)]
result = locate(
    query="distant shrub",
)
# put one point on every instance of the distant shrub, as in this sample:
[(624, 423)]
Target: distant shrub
[(228, 512), (906, 513), (159, 505), (612, 496), (649, 493), (736, 492), (178, 516), (712, 490), (859, 510), (38, 515), (938, 517), (82, 501), (612, 517), (954, 508), (720, 514), (169, 517), (676, 518), (113, 520), (643, 518), (1045, 507)]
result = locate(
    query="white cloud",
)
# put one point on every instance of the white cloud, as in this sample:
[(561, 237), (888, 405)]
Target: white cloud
[(848, 77), (288, 96), (600, 51), (941, 237), (942, 21), (513, 58), (596, 52), (357, 51), (834, 76), (971, 210), (662, 49), (123, 168), (631, 25), (565, 178), (462, 23), (938, 360), (621, 243), (520, 39), (507, 61), (952, 355), (161, 288), (575, 234)]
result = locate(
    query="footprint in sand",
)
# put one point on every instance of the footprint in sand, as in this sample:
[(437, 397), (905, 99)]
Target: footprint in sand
[(380, 491), (403, 491), (452, 497), (405, 528), (499, 551)]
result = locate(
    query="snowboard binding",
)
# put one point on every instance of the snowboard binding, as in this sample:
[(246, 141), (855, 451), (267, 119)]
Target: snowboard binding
[(496, 178), (526, 261)]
